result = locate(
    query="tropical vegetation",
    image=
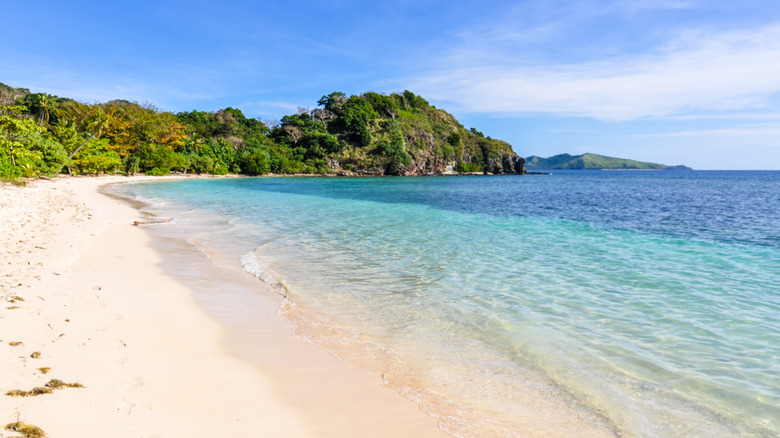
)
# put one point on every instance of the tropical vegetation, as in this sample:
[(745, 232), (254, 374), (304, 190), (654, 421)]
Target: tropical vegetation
[(371, 133)]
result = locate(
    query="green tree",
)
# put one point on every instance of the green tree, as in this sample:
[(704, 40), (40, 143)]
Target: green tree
[(333, 101), (254, 162), (16, 138), (53, 155), (202, 164), (97, 157), (40, 104), (96, 123), (158, 156), (356, 114), (132, 164)]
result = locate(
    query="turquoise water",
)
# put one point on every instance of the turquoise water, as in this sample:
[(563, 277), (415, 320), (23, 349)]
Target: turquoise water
[(622, 303)]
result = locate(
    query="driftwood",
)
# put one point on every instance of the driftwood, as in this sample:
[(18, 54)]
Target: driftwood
[(152, 222)]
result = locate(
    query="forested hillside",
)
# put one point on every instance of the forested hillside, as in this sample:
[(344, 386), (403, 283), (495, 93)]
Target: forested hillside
[(369, 134), (592, 162)]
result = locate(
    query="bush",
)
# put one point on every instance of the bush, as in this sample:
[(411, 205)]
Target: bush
[(220, 169), (53, 155), (153, 155), (158, 171), (202, 163), (96, 157), (6, 169), (254, 162), (468, 167), (132, 163), (96, 164)]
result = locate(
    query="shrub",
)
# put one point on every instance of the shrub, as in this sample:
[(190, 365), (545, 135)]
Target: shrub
[(254, 162), (158, 171), (468, 167), (202, 163)]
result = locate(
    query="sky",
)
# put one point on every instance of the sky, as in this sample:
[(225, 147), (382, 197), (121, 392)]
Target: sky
[(668, 81)]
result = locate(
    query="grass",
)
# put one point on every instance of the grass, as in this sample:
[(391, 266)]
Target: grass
[(35, 354), (13, 299), (26, 430), (15, 343), (14, 181)]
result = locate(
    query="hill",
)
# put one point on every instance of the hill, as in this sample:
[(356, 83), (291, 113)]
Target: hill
[(592, 162), (367, 134)]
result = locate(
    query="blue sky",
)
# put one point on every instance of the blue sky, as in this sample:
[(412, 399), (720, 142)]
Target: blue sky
[(670, 81)]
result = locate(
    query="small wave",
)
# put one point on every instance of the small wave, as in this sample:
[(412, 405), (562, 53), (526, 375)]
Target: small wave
[(252, 263)]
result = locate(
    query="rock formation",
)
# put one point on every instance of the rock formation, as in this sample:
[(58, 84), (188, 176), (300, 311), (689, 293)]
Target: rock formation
[(508, 164)]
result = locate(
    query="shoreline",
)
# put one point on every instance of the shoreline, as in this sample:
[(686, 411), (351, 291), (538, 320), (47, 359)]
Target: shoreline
[(96, 300), (459, 394)]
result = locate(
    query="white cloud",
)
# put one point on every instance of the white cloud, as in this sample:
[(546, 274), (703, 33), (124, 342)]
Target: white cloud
[(756, 135), (693, 72), (637, 5), (747, 115), (269, 107)]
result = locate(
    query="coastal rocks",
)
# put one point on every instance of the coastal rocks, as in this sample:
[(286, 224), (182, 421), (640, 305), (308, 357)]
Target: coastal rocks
[(430, 165), (508, 164), (369, 171), (425, 165)]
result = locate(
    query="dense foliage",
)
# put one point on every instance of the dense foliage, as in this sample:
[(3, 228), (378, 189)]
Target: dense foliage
[(396, 134)]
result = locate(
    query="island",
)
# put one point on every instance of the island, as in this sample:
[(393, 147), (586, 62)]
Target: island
[(590, 161)]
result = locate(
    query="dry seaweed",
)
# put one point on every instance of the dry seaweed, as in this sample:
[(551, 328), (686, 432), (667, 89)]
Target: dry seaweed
[(15, 343), (35, 354), (26, 430), (48, 388), (38, 390), (44, 370), (59, 384)]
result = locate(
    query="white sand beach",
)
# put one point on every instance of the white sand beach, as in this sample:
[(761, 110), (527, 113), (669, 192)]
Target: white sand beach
[(86, 301)]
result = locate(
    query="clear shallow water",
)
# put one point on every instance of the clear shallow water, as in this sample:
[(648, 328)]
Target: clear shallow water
[(638, 303)]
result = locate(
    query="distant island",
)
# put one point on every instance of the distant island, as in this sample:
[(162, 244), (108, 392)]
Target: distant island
[(590, 161)]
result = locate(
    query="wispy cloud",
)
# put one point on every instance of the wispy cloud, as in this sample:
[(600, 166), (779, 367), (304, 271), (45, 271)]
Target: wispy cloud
[(573, 130), (767, 134), (269, 107), (746, 115), (695, 71), (637, 5)]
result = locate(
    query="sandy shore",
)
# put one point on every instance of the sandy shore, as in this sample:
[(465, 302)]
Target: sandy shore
[(86, 300)]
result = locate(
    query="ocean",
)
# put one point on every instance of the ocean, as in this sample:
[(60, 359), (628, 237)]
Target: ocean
[(608, 303)]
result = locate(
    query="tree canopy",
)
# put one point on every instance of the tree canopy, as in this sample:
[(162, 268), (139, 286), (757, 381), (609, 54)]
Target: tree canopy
[(371, 133)]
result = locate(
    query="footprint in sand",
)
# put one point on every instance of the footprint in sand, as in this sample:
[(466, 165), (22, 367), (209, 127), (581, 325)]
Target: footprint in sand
[(126, 408), (134, 382)]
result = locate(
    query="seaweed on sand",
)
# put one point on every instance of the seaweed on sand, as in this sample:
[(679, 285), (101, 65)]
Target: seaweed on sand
[(48, 388), (59, 384), (25, 430)]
